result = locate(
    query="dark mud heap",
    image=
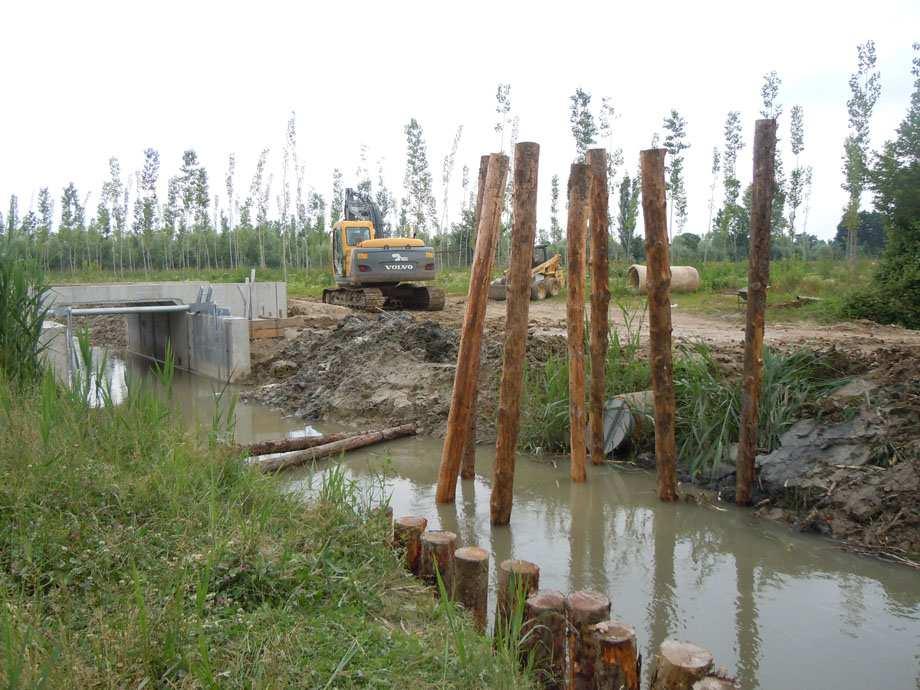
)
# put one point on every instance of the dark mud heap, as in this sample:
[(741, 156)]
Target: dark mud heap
[(370, 369)]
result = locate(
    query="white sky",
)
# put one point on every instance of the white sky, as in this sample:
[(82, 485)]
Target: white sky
[(82, 81)]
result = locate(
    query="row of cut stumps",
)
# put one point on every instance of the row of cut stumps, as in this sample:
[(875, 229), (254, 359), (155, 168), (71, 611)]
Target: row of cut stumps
[(571, 640)]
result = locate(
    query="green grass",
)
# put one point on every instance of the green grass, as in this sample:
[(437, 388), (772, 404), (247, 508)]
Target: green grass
[(22, 313), (131, 556)]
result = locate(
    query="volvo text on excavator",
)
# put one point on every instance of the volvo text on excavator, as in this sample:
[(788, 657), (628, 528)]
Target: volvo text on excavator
[(373, 271)]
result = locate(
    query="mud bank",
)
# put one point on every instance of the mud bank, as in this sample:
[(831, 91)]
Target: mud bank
[(386, 368)]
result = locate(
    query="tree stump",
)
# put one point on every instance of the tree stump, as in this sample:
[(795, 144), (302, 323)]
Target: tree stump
[(438, 548), (679, 665), (407, 535), (471, 582), (617, 660), (583, 609), (544, 637), (516, 578)]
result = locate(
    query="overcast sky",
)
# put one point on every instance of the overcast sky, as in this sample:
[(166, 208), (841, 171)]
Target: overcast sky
[(83, 81)]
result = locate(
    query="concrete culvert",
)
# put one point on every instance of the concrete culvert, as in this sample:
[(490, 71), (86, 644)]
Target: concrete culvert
[(683, 279)]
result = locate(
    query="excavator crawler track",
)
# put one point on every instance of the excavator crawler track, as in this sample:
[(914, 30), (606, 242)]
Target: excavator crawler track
[(365, 299)]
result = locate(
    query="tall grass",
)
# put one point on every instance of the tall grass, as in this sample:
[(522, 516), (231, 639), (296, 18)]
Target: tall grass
[(22, 312), (133, 557), (709, 405)]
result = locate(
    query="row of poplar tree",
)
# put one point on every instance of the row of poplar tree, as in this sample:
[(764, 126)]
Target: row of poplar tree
[(197, 226)]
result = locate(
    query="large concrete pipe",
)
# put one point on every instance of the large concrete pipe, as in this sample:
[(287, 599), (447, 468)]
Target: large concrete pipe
[(683, 279)]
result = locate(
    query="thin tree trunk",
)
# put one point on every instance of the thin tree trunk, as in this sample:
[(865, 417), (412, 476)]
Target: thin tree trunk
[(758, 276), (526, 163), (654, 210), (465, 377), (600, 299), (579, 183)]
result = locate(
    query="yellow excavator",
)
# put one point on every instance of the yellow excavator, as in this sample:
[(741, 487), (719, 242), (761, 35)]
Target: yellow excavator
[(546, 277), (373, 271)]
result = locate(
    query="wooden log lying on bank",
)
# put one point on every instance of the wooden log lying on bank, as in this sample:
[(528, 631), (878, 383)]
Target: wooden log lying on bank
[(407, 535), (617, 664), (583, 609), (438, 548), (543, 635), (284, 461), (286, 445), (679, 665), (471, 582)]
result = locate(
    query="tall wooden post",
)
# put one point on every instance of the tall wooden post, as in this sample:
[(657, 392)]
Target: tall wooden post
[(468, 464), (758, 275), (654, 211), (579, 180), (523, 229), (467, 373), (600, 300)]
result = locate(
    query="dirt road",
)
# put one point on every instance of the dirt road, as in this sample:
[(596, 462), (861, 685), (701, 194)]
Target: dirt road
[(721, 330)]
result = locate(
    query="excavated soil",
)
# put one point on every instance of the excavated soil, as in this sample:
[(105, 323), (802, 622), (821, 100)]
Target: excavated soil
[(104, 331)]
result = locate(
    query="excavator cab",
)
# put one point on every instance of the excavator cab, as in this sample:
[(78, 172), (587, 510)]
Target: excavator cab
[(372, 270)]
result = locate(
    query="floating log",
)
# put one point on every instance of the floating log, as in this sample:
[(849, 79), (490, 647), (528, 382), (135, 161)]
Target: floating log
[(679, 665), (523, 230), (407, 535), (287, 445), (543, 636), (438, 548), (758, 276), (683, 279), (284, 461), (716, 683), (575, 316), (583, 609), (617, 660), (517, 580), (466, 376), (600, 300), (654, 211), (468, 462), (471, 582)]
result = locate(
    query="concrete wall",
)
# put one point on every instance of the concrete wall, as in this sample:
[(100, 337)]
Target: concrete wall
[(269, 300), (214, 346), (54, 341)]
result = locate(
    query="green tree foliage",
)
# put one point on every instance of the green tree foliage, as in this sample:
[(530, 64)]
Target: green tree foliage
[(730, 218), (581, 120), (796, 190), (338, 197), (502, 112), (865, 88), (385, 201), (555, 229), (895, 178), (870, 234), (771, 108), (417, 181), (675, 142), (627, 215)]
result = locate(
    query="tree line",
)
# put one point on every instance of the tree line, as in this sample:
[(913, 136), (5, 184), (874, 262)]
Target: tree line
[(207, 223)]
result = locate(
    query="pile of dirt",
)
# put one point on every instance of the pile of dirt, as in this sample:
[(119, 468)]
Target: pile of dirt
[(389, 368), (104, 331), (853, 471)]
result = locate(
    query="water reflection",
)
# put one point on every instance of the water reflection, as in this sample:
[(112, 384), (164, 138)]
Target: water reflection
[(777, 608)]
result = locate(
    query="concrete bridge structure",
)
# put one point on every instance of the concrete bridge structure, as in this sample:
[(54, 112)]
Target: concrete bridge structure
[(204, 325)]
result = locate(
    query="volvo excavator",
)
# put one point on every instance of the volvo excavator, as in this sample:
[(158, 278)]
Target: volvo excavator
[(373, 271)]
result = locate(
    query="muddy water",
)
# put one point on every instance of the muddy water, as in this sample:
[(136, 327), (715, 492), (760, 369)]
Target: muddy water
[(779, 609)]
